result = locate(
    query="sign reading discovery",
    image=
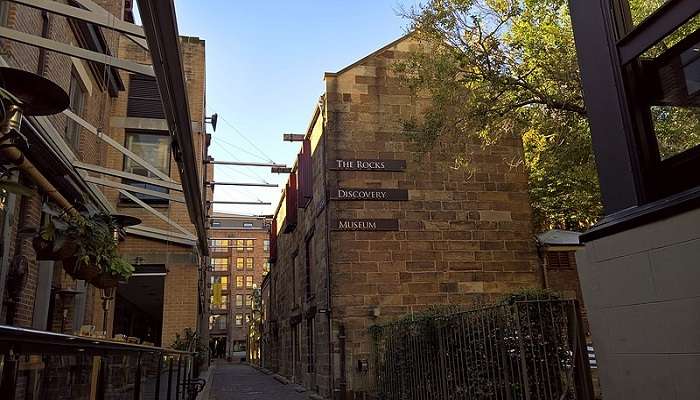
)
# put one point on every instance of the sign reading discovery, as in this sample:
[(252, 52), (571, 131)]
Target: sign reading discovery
[(370, 194)]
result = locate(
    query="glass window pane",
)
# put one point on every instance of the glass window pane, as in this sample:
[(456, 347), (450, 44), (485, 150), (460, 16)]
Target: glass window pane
[(152, 148)]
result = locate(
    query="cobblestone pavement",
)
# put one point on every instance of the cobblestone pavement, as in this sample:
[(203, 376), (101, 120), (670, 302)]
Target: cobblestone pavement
[(241, 382)]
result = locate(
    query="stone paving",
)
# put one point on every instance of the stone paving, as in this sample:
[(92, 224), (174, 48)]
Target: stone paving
[(231, 381)]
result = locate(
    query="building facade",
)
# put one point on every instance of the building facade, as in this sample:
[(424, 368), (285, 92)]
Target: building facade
[(240, 249), (639, 66), (102, 160), (370, 229)]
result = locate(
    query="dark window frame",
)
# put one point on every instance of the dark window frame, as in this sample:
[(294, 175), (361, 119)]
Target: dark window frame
[(77, 97), (631, 172)]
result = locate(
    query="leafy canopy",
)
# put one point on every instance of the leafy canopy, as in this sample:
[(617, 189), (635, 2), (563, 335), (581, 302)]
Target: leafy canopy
[(508, 68)]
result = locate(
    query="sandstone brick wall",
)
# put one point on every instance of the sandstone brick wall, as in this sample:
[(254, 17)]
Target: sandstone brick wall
[(465, 236)]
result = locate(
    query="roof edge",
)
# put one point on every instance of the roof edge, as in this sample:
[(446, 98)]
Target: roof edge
[(370, 55)]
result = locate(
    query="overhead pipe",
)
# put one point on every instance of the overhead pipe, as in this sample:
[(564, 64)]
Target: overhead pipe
[(15, 156)]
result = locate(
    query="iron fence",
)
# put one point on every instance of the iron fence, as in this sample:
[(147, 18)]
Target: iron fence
[(530, 350), (44, 365)]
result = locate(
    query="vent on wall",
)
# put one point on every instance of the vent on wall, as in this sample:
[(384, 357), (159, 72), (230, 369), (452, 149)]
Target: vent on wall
[(561, 260), (144, 98)]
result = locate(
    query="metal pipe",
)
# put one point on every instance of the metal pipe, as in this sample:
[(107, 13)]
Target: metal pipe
[(329, 306), (245, 164), (255, 203), (242, 184), (15, 156)]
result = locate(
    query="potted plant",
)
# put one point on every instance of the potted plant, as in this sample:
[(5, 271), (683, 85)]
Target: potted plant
[(112, 272), (56, 240)]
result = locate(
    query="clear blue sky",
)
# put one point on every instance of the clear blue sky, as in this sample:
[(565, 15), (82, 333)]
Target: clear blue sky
[(265, 65)]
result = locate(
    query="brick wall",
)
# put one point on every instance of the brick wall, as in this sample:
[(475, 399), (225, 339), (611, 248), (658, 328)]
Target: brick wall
[(58, 69), (465, 237)]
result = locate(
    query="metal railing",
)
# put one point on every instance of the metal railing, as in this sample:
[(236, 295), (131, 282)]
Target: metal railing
[(45, 365), (530, 350)]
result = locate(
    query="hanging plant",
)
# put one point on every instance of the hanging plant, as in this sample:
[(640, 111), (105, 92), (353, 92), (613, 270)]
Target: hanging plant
[(86, 246)]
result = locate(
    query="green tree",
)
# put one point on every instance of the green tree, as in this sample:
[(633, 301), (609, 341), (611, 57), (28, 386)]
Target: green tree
[(508, 68)]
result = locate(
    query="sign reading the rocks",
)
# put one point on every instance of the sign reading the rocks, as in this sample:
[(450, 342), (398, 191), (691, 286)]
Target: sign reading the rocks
[(369, 165), (370, 194), (371, 225)]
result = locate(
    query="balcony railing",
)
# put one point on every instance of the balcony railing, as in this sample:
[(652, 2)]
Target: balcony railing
[(45, 365)]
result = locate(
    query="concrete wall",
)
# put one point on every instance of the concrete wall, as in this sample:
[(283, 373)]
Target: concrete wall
[(642, 292)]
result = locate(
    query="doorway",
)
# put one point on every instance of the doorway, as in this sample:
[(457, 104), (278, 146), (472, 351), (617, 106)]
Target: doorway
[(138, 308)]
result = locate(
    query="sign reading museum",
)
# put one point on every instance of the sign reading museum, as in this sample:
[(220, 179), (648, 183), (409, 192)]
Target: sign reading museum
[(368, 165), (370, 194), (371, 225)]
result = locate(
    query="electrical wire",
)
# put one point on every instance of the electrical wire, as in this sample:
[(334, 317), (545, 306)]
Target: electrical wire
[(267, 158)]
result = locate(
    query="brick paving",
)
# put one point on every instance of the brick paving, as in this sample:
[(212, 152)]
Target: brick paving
[(241, 382)]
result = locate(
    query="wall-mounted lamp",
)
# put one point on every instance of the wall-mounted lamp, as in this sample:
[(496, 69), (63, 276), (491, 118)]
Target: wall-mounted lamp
[(212, 120)]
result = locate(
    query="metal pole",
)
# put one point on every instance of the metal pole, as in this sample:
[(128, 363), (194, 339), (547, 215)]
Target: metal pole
[(137, 380), (177, 386), (9, 376), (213, 183), (245, 164), (170, 378), (253, 203), (158, 374)]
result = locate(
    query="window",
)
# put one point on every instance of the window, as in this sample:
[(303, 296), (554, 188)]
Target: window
[(217, 322), (249, 263), (311, 351), (4, 11), (222, 306), (239, 319), (77, 105), (249, 300), (219, 264), (219, 245), (294, 281), (240, 261), (154, 148), (247, 225), (249, 281), (309, 265), (266, 268), (249, 245), (240, 244), (266, 245), (223, 280), (239, 300), (239, 281), (247, 318)]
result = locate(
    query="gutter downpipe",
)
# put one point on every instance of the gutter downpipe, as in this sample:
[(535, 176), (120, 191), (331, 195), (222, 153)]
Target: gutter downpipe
[(329, 307)]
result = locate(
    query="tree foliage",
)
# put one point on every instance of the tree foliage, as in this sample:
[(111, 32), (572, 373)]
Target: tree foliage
[(500, 68)]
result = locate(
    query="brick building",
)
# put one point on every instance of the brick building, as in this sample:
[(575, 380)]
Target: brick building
[(86, 165), (239, 261), (370, 229)]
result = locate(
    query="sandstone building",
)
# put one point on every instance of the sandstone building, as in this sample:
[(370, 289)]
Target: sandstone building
[(240, 247), (370, 229)]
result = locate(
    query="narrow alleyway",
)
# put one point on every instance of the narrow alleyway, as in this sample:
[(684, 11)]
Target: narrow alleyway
[(241, 382)]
